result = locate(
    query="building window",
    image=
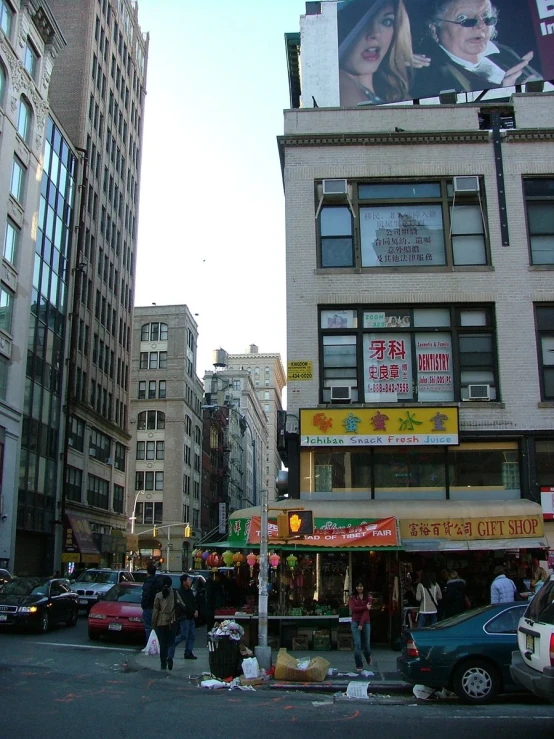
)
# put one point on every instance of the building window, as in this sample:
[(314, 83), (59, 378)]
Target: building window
[(539, 196), (17, 182), (98, 492), (544, 454), (76, 434), (118, 495), (73, 484), (6, 17), (11, 243), (119, 456), (24, 118), (149, 513), (404, 224), (30, 59), (99, 446), (153, 332), (484, 471), (545, 328), (2, 84), (153, 360), (142, 390), (393, 354), (151, 389), (150, 420), (141, 447), (6, 309), (162, 389)]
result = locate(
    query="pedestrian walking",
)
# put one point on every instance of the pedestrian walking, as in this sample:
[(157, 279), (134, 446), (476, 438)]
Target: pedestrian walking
[(454, 595), (428, 595), (186, 622), (164, 622), (360, 607), (150, 587), (503, 590)]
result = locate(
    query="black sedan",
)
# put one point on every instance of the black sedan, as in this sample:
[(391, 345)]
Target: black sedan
[(469, 654), (38, 603)]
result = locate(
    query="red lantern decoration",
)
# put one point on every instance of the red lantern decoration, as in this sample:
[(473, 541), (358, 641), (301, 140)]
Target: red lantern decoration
[(251, 561), (274, 560), (210, 560), (216, 560), (238, 558)]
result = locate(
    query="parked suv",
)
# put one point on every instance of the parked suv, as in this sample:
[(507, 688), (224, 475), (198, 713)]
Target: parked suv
[(533, 664), (91, 585)]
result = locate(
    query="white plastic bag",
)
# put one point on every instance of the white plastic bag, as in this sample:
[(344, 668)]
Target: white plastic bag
[(251, 668), (152, 647)]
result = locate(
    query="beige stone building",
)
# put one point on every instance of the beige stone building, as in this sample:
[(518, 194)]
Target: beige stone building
[(165, 466)]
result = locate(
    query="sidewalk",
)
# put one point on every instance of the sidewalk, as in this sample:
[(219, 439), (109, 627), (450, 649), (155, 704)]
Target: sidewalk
[(385, 678)]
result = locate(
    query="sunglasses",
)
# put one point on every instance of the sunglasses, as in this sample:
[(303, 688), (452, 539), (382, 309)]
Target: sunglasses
[(472, 22)]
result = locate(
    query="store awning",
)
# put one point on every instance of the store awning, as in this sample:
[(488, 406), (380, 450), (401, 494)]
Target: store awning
[(149, 543), (424, 525), (78, 538)]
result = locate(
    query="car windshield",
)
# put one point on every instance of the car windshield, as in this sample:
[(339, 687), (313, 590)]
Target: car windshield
[(541, 607), (25, 587), (123, 594), (97, 576)]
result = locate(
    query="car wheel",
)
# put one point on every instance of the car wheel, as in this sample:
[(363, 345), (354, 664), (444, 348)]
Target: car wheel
[(72, 621), (476, 681), (93, 636), (44, 623)]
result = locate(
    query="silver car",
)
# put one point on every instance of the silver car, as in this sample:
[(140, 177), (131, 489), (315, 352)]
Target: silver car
[(91, 585)]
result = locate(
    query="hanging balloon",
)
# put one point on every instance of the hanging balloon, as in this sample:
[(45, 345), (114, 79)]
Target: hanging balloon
[(227, 557), (205, 556)]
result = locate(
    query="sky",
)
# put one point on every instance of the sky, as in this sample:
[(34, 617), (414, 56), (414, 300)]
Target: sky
[(211, 222)]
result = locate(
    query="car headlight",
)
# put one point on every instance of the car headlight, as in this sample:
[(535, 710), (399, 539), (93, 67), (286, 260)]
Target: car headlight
[(136, 619), (97, 615), (27, 609)]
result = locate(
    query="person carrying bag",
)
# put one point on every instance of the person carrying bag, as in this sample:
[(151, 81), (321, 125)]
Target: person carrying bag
[(428, 594), (164, 621)]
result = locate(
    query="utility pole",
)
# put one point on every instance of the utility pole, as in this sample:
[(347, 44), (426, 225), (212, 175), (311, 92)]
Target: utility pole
[(262, 651)]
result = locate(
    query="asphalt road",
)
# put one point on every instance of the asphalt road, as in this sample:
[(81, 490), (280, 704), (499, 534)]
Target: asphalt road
[(61, 685)]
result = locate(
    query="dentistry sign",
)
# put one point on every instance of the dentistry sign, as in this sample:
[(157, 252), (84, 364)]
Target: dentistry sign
[(385, 56), (378, 427)]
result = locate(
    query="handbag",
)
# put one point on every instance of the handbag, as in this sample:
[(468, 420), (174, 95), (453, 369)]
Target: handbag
[(431, 596), (180, 610)]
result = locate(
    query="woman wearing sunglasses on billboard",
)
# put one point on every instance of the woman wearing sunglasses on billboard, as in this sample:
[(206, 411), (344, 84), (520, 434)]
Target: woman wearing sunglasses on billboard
[(463, 55), (375, 52)]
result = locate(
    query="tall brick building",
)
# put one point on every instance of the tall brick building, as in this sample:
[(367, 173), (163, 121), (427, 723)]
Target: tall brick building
[(98, 90)]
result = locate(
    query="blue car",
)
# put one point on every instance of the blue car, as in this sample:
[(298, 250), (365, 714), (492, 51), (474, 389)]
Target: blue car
[(469, 654)]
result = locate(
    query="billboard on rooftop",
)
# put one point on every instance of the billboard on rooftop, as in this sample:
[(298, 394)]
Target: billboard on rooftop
[(395, 50)]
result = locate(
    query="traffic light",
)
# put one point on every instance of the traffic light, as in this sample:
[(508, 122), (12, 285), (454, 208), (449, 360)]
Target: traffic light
[(187, 531), (295, 523)]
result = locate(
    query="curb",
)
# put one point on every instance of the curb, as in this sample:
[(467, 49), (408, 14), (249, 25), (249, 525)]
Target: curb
[(341, 685)]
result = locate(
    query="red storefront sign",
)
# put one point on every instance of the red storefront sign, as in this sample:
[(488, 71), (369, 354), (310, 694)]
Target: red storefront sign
[(381, 533)]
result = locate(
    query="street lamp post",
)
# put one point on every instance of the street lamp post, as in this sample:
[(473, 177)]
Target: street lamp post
[(132, 519)]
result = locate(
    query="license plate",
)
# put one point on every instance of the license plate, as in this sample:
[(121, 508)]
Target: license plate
[(529, 643), (83, 602), (3, 617), (115, 627)]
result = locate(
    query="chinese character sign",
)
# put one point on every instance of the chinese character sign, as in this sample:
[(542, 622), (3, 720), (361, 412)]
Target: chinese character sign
[(384, 426), (387, 367), (458, 529), (402, 236)]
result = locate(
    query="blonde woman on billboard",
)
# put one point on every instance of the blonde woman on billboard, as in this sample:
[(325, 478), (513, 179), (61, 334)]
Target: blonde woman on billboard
[(463, 55), (375, 52)]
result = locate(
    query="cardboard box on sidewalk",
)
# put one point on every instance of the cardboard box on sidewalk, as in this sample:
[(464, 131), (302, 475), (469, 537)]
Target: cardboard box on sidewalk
[(286, 668)]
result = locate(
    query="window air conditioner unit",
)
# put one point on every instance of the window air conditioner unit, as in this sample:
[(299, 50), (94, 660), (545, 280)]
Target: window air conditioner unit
[(109, 460), (92, 452), (341, 394), (335, 188), (70, 442), (479, 392), (466, 184)]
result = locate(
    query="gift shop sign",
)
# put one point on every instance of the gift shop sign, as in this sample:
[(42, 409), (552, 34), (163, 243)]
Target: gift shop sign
[(331, 534), (547, 503), (385, 426), (462, 529)]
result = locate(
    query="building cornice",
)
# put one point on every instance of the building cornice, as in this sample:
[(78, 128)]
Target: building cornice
[(384, 138)]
